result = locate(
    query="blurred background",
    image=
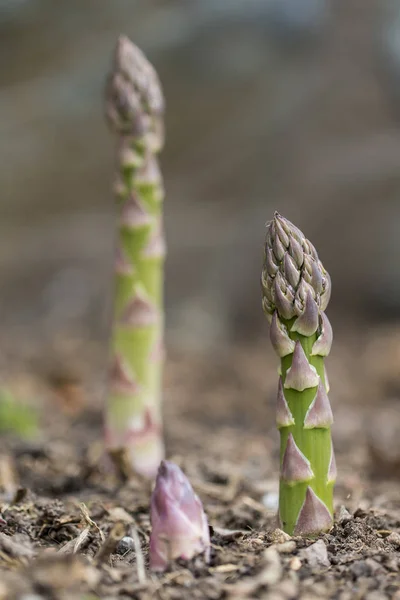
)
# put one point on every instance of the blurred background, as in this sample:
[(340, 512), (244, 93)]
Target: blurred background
[(271, 104)]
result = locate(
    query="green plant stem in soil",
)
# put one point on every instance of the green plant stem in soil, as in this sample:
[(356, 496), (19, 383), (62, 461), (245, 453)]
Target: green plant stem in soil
[(134, 108), (296, 292)]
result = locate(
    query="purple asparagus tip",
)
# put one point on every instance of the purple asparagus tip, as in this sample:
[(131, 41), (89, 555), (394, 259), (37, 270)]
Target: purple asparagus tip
[(294, 281), (179, 524)]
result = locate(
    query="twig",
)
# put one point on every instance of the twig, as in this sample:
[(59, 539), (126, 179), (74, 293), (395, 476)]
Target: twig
[(141, 571)]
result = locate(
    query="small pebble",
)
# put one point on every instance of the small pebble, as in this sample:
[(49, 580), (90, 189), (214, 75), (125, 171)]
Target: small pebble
[(316, 555), (295, 563), (125, 545), (271, 500), (343, 515), (286, 547), (394, 538), (279, 537)]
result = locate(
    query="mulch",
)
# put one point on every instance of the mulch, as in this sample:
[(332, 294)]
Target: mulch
[(74, 530)]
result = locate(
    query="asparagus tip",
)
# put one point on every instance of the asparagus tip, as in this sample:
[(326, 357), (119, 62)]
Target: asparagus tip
[(134, 98), (179, 524)]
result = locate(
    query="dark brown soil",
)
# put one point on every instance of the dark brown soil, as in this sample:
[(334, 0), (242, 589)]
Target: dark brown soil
[(66, 512)]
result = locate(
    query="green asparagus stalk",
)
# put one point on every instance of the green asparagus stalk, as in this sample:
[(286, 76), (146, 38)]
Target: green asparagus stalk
[(134, 110), (296, 291)]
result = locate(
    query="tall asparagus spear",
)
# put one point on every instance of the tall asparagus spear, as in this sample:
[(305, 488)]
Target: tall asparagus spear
[(134, 110), (296, 291)]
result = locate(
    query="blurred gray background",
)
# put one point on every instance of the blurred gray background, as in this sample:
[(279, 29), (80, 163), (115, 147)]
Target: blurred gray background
[(272, 104)]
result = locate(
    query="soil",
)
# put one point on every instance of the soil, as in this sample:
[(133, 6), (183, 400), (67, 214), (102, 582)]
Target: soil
[(66, 512)]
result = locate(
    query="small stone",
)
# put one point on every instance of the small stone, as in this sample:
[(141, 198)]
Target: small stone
[(394, 538), (295, 563), (316, 555), (279, 537), (343, 515), (125, 545), (286, 547), (257, 544), (184, 579)]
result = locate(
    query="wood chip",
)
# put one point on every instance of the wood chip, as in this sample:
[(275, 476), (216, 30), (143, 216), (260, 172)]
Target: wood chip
[(108, 547), (73, 546)]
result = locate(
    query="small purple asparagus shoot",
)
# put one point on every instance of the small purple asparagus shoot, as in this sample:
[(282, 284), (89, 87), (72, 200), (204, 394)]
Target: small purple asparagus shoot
[(134, 109), (296, 291), (179, 526)]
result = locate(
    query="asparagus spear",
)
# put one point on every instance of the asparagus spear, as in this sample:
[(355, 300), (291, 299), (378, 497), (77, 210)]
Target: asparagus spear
[(296, 290), (179, 526), (134, 110)]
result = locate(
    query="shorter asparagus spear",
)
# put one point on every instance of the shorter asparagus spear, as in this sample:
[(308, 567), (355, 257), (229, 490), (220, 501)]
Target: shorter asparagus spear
[(296, 291), (179, 524)]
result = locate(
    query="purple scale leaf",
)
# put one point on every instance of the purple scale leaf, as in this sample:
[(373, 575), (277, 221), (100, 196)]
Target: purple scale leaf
[(301, 375), (280, 230), (122, 264), (278, 249), (296, 252), (283, 299), (284, 417), (323, 343), (326, 293), (314, 516), (139, 311), (133, 215), (279, 337), (122, 379), (296, 467), (271, 266), (307, 323), (292, 273), (155, 247), (319, 413)]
